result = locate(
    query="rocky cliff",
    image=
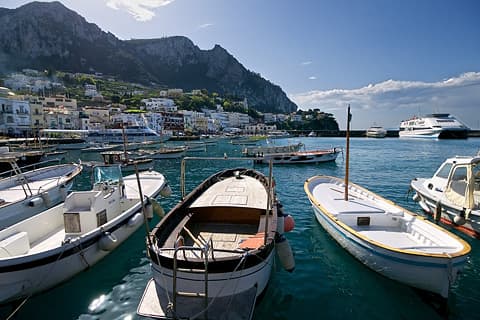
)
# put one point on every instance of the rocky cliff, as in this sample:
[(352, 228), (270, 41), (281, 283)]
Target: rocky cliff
[(49, 35)]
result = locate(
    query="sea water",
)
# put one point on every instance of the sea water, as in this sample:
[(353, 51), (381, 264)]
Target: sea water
[(328, 283)]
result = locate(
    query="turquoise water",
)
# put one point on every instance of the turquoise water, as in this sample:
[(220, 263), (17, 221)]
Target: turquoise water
[(327, 283)]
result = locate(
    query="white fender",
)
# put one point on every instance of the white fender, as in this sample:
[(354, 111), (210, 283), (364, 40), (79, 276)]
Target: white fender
[(135, 220), (284, 252), (35, 202), (107, 242), (166, 191)]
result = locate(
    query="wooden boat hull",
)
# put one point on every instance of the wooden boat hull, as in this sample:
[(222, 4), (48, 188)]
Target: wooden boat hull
[(427, 271), (24, 275), (299, 157)]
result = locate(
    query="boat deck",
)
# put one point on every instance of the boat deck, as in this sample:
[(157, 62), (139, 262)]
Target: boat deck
[(224, 236), (51, 241), (16, 193)]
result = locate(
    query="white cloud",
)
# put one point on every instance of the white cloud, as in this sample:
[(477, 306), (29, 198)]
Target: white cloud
[(306, 63), (205, 25), (312, 78), (141, 10), (389, 102)]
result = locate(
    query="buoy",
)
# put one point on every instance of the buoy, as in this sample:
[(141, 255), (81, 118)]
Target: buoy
[(289, 223), (416, 197), (135, 220), (157, 208), (281, 224), (46, 198), (107, 242), (35, 202), (284, 252), (149, 209), (166, 191)]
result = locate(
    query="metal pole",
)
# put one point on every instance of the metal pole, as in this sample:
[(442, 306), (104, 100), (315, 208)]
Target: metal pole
[(349, 116), (269, 199), (147, 229)]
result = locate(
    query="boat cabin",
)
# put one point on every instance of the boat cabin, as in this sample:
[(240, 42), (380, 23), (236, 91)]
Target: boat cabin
[(114, 157), (459, 179)]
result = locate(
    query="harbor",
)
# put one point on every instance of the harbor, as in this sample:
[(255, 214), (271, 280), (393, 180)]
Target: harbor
[(324, 271)]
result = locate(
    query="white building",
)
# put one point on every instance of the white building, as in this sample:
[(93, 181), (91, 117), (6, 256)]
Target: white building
[(90, 90), (160, 105), (14, 117), (238, 120)]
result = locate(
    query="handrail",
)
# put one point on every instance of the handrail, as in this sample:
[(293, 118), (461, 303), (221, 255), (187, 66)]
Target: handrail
[(33, 165)]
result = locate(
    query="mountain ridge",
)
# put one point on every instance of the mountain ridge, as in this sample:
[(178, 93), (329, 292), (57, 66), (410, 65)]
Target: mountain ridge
[(48, 35)]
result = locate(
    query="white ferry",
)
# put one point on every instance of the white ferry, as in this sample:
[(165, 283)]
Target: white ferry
[(136, 133), (436, 126)]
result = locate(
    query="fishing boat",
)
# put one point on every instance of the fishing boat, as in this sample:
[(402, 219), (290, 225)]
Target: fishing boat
[(436, 125), (119, 158), (387, 238), (100, 147), (376, 132), (212, 254), (162, 153), (42, 251), (269, 149), (26, 193), (452, 195), (299, 157)]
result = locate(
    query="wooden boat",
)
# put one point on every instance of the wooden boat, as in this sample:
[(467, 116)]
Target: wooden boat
[(121, 158), (51, 247), (386, 237), (300, 157), (452, 195), (24, 194), (162, 153), (258, 151), (214, 251)]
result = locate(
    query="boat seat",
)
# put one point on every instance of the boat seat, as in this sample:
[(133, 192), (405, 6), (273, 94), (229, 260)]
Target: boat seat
[(14, 245)]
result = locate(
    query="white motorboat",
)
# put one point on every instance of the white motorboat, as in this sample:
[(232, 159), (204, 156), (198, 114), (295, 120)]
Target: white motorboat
[(24, 194), (269, 149), (388, 239), (376, 132), (300, 157), (162, 153), (100, 147), (452, 195), (213, 253), (42, 251), (437, 125)]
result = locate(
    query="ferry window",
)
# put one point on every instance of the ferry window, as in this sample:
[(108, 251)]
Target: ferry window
[(444, 171)]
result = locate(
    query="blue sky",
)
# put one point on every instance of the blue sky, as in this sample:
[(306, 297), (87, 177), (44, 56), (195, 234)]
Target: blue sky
[(389, 59)]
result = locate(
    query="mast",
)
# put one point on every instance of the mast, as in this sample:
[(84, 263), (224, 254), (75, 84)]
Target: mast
[(349, 118)]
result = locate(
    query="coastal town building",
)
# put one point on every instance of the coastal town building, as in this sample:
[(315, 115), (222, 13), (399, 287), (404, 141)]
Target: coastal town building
[(159, 105), (14, 117)]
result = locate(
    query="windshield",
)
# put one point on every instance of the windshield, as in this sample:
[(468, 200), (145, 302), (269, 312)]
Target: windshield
[(444, 171), (107, 173)]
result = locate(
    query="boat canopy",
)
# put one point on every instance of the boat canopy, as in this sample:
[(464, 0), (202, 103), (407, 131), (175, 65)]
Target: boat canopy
[(112, 173), (463, 187)]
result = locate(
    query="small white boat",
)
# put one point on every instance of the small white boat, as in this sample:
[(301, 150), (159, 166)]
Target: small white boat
[(376, 132), (25, 194), (100, 147), (312, 134), (51, 247), (388, 239), (162, 153), (452, 195), (196, 146), (300, 157), (269, 149), (216, 248)]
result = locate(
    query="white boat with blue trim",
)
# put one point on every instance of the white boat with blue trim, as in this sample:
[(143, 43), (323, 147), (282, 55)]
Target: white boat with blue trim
[(40, 252), (387, 238)]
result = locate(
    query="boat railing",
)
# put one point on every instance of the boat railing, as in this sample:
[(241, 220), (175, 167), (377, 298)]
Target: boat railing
[(33, 166)]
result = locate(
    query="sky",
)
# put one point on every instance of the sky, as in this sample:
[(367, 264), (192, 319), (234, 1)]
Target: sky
[(389, 59)]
